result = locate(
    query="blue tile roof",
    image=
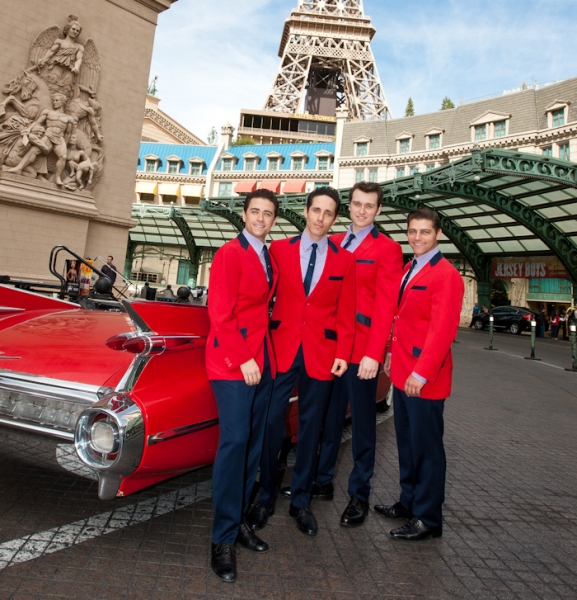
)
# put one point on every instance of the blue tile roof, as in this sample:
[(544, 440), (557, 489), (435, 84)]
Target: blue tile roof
[(183, 151), (285, 150)]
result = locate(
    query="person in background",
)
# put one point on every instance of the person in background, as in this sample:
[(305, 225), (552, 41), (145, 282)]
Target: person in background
[(555, 322), (110, 270)]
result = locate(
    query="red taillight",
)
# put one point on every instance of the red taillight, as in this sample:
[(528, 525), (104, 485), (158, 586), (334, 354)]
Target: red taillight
[(528, 317), (149, 344)]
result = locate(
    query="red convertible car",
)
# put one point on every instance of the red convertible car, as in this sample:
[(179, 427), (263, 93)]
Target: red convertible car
[(128, 389)]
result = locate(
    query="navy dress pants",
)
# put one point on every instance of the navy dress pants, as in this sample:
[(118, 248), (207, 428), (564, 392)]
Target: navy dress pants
[(422, 463), (242, 411), (313, 398), (361, 393)]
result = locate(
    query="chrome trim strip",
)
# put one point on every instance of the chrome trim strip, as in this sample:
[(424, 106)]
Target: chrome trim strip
[(12, 309), (74, 389), (179, 431), (65, 435), (130, 377), (136, 319)]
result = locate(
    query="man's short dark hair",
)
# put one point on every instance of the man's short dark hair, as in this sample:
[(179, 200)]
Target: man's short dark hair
[(425, 213), (368, 187), (325, 191), (111, 257), (266, 194)]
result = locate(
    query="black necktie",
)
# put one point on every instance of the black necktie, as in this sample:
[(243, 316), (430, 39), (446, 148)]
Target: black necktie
[(349, 241), (406, 279), (268, 265), (310, 269)]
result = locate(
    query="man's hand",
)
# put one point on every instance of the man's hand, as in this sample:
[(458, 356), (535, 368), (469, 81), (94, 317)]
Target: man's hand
[(368, 368), (251, 372), (387, 366), (413, 386), (339, 367)]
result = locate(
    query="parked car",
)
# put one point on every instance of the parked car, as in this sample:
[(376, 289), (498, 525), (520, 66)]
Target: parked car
[(514, 318), (126, 390)]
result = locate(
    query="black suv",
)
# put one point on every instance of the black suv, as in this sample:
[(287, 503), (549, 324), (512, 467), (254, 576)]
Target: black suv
[(513, 318)]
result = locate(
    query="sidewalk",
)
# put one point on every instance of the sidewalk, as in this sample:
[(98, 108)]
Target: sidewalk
[(510, 526)]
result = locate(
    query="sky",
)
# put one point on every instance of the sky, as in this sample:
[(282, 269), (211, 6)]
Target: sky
[(214, 57)]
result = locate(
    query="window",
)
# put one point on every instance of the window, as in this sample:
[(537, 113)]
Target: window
[(227, 164), (323, 163), (435, 141), (401, 172), (168, 199), (183, 272), (298, 163), (480, 132), (225, 189), (548, 151), (500, 129), (413, 170), (362, 148), (273, 164), (359, 176), (138, 276), (147, 198), (191, 201), (373, 175), (173, 166), (195, 168), (558, 117), (249, 164), (430, 167), (405, 146), (150, 165), (320, 184), (564, 151)]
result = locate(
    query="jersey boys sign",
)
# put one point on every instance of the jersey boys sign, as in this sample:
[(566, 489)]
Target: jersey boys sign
[(529, 267)]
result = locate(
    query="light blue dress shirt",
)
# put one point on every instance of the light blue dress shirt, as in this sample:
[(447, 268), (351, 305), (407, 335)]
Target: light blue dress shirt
[(257, 246), (359, 237)]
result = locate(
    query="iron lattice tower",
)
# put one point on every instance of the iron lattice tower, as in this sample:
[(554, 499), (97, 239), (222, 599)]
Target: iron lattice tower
[(326, 53)]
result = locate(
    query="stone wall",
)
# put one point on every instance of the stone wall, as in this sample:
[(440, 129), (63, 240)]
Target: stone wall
[(36, 215)]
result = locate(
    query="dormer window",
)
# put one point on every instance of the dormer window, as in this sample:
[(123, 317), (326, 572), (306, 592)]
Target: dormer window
[(404, 146), (151, 165), (480, 132), (173, 166), (500, 128), (434, 141), (362, 146), (558, 117), (273, 164), (196, 166), (324, 159), (227, 164), (299, 161), (249, 164)]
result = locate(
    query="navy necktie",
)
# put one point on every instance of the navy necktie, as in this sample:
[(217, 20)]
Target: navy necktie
[(406, 279), (349, 241), (268, 265), (310, 269)]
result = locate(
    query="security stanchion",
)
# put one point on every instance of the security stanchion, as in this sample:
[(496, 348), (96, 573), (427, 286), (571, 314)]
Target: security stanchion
[(533, 336), (491, 334), (573, 335)]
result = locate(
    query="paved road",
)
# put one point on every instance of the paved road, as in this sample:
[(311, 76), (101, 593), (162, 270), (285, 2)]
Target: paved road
[(510, 515)]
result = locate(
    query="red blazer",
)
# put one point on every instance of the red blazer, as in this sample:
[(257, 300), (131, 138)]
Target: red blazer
[(238, 304), (323, 322), (378, 266), (425, 327)]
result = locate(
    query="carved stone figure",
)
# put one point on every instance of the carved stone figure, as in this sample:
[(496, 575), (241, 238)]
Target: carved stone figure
[(50, 120)]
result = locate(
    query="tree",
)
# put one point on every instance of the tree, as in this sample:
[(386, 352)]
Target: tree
[(243, 140), (410, 110), (447, 103)]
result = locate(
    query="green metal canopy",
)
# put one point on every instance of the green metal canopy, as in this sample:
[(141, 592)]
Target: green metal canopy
[(492, 203)]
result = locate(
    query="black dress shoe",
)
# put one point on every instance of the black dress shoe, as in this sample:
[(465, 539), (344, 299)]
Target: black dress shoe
[(258, 515), (223, 561), (305, 519), (355, 513), (249, 540), (285, 491), (416, 530), (396, 511), (323, 491)]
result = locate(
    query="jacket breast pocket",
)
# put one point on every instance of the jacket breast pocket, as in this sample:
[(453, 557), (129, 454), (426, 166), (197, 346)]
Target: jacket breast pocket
[(419, 287), (365, 261), (336, 277), (330, 334)]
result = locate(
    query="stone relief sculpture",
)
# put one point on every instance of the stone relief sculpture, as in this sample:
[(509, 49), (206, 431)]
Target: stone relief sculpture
[(50, 120)]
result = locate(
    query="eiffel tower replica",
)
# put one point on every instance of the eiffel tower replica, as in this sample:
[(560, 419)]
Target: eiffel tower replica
[(327, 63), (327, 60)]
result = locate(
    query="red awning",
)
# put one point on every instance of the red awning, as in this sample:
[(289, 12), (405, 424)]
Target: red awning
[(294, 187), (273, 186), (244, 187)]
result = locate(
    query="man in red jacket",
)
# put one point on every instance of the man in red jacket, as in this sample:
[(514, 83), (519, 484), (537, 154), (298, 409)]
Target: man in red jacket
[(312, 329), (240, 366), (378, 265), (421, 367)]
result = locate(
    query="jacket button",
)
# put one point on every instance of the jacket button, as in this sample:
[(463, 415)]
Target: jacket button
[(394, 339), (303, 324)]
